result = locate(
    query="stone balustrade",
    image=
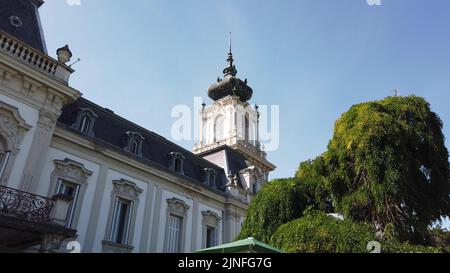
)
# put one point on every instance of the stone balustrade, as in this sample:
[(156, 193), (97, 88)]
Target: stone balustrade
[(40, 61)]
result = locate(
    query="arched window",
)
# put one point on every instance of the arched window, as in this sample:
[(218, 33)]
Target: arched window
[(210, 177), (247, 127), (85, 124), (177, 165), (177, 162), (218, 128), (134, 144)]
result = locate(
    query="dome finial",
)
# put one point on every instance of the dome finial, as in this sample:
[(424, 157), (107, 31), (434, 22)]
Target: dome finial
[(230, 44), (231, 69)]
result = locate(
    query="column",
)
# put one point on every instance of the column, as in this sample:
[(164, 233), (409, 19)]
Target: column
[(38, 151)]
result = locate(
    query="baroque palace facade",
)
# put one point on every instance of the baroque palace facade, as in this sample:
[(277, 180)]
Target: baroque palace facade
[(71, 170)]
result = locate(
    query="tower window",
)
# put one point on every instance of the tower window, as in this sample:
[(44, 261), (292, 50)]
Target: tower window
[(15, 21), (218, 128), (247, 127)]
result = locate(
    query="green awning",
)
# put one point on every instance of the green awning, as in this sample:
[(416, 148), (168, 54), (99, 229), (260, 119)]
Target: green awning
[(249, 245)]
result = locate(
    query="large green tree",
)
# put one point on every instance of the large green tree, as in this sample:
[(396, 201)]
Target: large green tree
[(387, 164)]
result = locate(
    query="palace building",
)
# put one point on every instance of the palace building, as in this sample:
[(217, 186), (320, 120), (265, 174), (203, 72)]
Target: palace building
[(74, 171)]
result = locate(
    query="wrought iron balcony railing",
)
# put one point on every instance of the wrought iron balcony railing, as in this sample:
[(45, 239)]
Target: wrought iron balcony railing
[(24, 205)]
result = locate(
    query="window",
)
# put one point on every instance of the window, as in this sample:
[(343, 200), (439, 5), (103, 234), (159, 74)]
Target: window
[(211, 180), (247, 128), (122, 217), (71, 190), (84, 122), (174, 234), (218, 128), (85, 125), (134, 147), (177, 165), (134, 143), (211, 237), (4, 157), (210, 228), (121, 221), (254, 182), (210, 177), (176, 162)]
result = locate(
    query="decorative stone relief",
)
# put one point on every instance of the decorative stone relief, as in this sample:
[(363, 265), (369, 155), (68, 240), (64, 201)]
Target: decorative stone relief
[(12, 130), (126, 189)]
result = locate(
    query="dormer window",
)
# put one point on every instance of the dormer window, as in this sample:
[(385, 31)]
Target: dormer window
[(134, 146), (134, 143), (84, 122), (210, 177), (85, 125), (177, 162)]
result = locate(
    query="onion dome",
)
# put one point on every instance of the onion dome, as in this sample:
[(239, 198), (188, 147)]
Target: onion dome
[(230, 85)]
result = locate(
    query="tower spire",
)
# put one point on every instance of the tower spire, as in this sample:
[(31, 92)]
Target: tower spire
[(231, 69)]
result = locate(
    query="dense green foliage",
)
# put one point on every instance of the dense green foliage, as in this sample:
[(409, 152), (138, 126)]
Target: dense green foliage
[(320, 233), (387, 163), (386, 169), (278, 202)]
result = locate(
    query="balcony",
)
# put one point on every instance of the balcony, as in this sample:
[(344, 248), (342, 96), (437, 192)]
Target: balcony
[(35, 58), (253, 147), (28, 220)]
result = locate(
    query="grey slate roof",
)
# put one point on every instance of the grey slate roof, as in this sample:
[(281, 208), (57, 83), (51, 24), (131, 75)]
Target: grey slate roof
[(110, 131), (234, 162), (29, 32)]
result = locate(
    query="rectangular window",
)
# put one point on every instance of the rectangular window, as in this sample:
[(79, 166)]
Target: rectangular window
[(4, 157), (174, 234), (71, 190), (121, 221), (211, 237)]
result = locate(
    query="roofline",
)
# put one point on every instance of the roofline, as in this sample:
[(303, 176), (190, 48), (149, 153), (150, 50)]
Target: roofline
[(163, 139)]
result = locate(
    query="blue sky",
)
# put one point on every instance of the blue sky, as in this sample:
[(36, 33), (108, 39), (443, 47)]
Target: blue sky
[(313, 58)]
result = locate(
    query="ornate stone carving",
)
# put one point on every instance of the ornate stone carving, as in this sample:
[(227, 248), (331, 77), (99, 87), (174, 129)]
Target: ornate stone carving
[(12, 130), (211, 218), (12, 126), (177, 206), (71, 170), (126, 189)]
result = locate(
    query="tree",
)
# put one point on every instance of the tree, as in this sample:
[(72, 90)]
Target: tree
[(278, 202), (387, 164)]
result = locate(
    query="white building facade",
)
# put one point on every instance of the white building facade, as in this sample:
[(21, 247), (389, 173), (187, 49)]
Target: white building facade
[(73, 171)]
